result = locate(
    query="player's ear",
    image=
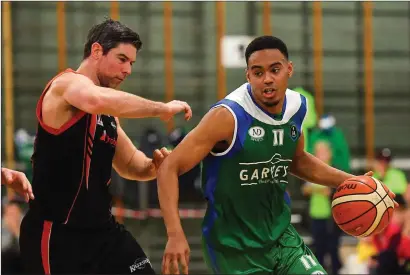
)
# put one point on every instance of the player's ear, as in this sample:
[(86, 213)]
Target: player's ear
[(290, 68), (247, 74), (96, 50)]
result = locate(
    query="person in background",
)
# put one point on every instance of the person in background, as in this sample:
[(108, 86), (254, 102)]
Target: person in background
[(24, 148), (335, 137), (311, 115), (325, 232), (393, 244), (394, 178), (12, 214)]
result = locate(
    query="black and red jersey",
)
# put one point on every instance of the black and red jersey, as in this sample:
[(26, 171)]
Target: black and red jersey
[(72, 168)]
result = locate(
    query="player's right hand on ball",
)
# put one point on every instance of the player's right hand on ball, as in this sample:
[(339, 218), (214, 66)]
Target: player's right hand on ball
[(174, 107), (176, 253)]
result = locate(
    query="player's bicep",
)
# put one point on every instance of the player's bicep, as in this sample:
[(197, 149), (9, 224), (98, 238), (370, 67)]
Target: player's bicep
[(300, 147), (79, 91), (217, 125)]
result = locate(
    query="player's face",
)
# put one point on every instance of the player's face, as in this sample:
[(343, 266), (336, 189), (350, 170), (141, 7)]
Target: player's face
[(268, 73), (116, 65)]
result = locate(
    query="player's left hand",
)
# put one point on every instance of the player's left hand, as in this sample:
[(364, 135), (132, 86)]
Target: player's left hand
[(391, 194), (159, 156), (18, 182)]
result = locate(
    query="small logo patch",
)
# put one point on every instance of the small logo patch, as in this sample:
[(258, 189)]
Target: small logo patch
[(294, 133), (257, 133)]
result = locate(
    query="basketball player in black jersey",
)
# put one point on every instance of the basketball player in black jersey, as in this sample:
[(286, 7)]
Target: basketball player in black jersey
[(69, 227)]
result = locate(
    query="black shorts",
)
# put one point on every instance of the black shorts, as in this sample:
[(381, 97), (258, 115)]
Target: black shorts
[(48, 248)]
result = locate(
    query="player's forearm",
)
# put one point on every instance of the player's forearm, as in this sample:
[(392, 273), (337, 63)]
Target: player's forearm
[(168, 196), (122, 104), (140, 168), (311, 169), (144, 172)]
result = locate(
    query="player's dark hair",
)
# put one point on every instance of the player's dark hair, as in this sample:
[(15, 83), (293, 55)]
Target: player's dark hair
[(109, 34), (266, 42)]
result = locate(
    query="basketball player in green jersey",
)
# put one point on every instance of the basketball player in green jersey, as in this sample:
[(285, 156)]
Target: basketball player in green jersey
[(249, 143)]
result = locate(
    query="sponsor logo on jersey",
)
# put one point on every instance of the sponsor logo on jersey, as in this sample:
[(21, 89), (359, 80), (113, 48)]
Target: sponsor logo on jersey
[(107, 139), (274, 170), (257, 133), (139, 264), (99, 121)]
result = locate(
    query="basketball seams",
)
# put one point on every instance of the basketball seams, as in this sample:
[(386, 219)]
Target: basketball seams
[(370, 197), (378, 183), (373, 206), (375, 226), (336, 197)]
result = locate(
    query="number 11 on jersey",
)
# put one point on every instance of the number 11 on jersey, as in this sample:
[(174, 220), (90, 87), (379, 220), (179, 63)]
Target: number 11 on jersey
[(278, 137)]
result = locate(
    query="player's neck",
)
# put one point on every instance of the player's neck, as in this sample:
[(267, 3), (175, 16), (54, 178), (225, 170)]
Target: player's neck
[(87, 69)]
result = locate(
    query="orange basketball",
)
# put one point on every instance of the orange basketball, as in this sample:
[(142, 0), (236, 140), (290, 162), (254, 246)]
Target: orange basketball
[(362, 207)]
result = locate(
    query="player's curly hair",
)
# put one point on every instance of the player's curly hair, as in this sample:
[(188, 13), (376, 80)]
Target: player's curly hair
[(266, 42), (109, 34)]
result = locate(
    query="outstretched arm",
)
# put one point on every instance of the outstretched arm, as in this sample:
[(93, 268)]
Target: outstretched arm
[(311, 169), (217, 125), (80, 92)]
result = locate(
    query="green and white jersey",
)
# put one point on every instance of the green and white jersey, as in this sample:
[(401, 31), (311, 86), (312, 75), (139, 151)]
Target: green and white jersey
[(245, 184)]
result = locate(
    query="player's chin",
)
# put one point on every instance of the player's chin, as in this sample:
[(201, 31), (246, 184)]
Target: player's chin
[(271, 102)]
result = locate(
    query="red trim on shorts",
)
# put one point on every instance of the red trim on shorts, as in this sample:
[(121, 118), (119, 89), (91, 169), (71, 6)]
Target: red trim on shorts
[(82, 176), (90, 145), (66, 125), (45, 246)]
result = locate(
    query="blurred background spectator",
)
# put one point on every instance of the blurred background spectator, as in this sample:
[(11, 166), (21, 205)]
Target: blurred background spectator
[(325, 233)]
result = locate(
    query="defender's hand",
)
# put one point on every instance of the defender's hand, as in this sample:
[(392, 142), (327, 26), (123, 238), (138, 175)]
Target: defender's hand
[(391, 194), (176, 252), (174, 107), (18, 182), (159, 156)]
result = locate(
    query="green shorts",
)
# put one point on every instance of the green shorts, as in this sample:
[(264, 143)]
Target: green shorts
[(289, 255)]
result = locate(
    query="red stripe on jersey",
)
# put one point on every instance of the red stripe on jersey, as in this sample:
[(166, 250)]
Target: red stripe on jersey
[(45, 246), (91, 133), (39, 114)]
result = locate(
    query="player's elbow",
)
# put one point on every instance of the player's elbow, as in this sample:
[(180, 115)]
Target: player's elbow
[(165, 170)]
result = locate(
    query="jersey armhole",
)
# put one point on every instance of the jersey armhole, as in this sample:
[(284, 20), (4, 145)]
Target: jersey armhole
[(235, 131)]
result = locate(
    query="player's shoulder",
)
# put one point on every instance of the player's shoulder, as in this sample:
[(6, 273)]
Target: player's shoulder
[(296, 101), (220, 114), (69, 77), (296, 96), (236, 101)]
